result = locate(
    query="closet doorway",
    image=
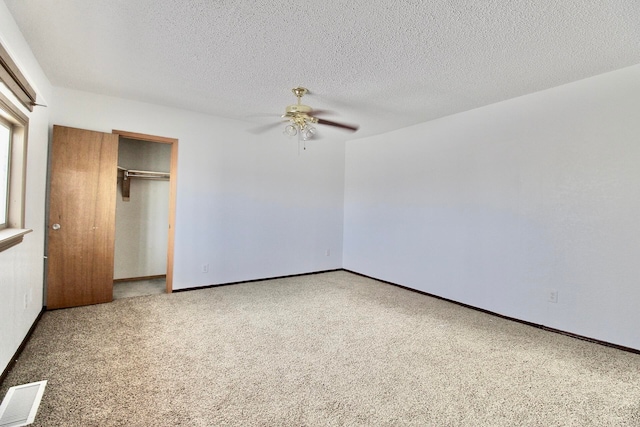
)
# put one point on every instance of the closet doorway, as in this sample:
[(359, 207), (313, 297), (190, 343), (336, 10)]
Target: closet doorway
[(145, 214)]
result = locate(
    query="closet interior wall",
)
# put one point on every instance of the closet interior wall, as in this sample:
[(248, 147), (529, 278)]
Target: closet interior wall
[(142, 221)]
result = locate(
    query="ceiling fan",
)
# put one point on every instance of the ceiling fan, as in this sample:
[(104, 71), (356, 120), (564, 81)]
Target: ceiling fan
[(302, 118)]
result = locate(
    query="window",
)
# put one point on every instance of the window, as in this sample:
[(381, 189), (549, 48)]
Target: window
[(16, 100), (5, 163)]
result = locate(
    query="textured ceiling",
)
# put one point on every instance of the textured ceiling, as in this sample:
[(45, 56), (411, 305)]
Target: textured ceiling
[(384, 64)]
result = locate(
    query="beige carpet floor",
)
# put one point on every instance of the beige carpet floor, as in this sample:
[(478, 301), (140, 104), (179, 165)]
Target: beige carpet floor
[(332, 349), (136, 288)]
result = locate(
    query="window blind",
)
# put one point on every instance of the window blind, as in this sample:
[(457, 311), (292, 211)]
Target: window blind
[(11, 76)]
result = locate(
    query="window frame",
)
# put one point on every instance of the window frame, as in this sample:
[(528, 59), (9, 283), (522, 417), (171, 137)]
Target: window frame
[(15, 230)]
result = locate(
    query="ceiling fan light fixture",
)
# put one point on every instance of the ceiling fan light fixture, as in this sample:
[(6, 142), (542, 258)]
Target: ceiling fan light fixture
[(290, 130), (308, 132)]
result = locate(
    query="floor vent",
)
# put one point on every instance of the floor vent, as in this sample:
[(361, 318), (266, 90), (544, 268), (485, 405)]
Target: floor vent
[(20, 405)]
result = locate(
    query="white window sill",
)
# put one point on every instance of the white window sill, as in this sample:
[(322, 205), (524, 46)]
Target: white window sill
[(12, 236)]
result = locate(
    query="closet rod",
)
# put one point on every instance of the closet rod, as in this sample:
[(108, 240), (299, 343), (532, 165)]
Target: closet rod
[(132, 173), (146, 174)]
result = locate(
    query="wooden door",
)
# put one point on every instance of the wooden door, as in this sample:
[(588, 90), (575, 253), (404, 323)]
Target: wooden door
[(81, 227)]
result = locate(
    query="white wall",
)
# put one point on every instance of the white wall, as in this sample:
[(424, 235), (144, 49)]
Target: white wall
[(498, 206), (142, 221), (22, 267), (247, 205)]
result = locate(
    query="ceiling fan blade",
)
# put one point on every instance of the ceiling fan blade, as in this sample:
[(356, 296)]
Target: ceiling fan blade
[(265, 128), (352, 128), (315, 112)]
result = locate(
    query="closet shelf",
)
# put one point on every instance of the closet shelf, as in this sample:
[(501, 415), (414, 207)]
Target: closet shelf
[(127, 174)]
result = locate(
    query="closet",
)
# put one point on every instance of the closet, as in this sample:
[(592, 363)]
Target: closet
[(142, 210), (81, 229)]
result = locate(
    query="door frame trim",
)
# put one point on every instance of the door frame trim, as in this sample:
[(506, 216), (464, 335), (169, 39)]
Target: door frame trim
[(173, 186)]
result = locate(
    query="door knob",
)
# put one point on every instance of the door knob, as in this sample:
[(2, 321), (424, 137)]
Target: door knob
[(56, 226)]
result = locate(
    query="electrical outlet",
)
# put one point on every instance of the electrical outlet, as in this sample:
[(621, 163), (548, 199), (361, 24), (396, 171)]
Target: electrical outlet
[(552, 296), (328, 253), (205, 268)]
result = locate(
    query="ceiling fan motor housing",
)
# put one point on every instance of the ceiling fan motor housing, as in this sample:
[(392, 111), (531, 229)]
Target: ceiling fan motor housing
[(298, 114), (298, 108)]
